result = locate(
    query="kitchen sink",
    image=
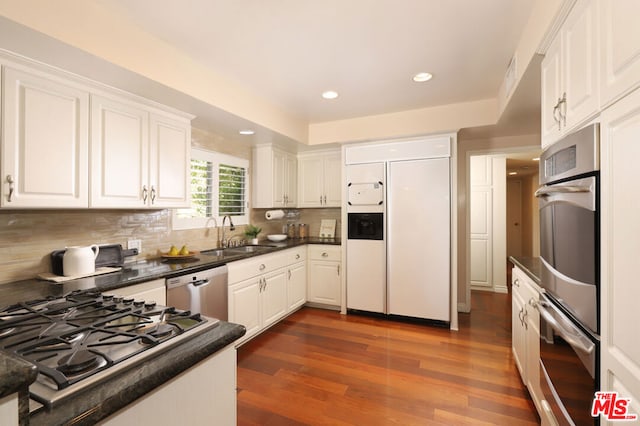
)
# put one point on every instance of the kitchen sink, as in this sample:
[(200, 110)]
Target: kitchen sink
[(237, 251), (248, 249)]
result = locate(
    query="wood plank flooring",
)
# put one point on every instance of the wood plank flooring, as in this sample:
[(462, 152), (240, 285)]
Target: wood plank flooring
[(318, 367)]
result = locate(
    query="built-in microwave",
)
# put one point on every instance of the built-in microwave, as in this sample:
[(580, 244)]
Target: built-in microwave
[(365, 226)]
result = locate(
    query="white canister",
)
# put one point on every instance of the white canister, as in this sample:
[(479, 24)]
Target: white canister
[(79, 260)]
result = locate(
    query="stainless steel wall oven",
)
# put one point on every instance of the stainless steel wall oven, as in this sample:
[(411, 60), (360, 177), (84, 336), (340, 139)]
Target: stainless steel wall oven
[(570, 277)]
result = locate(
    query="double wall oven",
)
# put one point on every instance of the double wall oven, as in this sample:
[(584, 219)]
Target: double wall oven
[(570, 277)]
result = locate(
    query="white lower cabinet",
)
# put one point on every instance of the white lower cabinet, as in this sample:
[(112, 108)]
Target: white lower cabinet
[(324, 283), (205, 394), (296, 278), (525, 330), (258, 292)]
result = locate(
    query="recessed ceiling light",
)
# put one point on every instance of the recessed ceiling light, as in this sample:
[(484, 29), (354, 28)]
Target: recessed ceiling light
[(330, 94), (536, 159), (513, 173), (246, 132), (422, 77)]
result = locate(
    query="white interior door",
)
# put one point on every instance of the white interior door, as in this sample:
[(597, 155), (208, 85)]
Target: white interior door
[(480, 228), (514, 218)]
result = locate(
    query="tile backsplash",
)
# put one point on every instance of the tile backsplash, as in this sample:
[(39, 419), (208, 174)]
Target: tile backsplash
[(27, 237)]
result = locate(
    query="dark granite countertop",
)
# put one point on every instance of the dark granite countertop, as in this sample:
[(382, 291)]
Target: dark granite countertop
[(100, 401), (17, 374), (528, 265)]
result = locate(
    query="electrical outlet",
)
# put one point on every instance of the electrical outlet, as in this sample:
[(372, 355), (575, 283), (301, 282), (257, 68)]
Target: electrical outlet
[(135, 244)]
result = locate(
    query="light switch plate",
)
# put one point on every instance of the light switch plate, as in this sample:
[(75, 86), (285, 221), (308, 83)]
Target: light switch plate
[(135, 244)]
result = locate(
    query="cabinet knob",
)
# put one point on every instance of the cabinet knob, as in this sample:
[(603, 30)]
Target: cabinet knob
[(11, 182), (297, 256), (516, 282), (261, 267), (325, 254)]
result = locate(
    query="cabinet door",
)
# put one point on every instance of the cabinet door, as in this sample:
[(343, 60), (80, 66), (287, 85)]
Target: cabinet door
[(170, 158), (580, 66), (518, 337), (550, 93), (291, 180), (333, 180), (279, 178), (620, 147), (119, 154), (274, 297), (245, 306), (45, 142), (620, 49), (310, 181), (296, 286), (324, 282)]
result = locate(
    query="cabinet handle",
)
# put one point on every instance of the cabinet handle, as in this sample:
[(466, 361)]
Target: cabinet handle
[(563, 101), (516, 282), (261, 267), (520, 317), (325, 200), (11, 182), (325, 254), (289, 274), (321, 200), (264, 280), (145, 193), (153, 194), (524, 319), (338, 270)]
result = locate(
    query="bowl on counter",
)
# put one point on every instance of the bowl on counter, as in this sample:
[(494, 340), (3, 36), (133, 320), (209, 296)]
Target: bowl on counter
[(277, 237)]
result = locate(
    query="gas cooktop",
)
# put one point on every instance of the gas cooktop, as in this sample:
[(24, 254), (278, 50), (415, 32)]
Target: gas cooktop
[(78, 339)]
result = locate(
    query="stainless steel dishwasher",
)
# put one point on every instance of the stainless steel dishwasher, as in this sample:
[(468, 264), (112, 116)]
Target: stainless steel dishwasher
[(203, 292)]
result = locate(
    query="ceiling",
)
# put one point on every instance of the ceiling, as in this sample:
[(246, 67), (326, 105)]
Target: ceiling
[(290, 51)]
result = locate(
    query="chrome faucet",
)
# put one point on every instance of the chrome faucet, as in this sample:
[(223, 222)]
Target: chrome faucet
[(231, 228)]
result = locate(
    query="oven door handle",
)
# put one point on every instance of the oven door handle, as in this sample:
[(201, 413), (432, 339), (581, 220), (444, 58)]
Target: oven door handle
[(567, 331), (545, 191)]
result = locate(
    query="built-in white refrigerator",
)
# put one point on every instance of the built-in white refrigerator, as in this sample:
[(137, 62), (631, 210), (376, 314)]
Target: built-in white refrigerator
[(418, 238), (407, 272)]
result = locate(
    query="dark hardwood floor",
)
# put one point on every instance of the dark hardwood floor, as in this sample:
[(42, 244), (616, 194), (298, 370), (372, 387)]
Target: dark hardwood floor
[(318, 367)]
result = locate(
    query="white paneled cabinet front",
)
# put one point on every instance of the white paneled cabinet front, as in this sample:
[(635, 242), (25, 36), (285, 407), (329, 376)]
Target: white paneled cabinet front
[(324, 283), (45, 141), (619, 48), (138, 159), (620, 147), (119, 154), (319, 180), (274, 177), (569, 73), (170, 158), (296, 278)]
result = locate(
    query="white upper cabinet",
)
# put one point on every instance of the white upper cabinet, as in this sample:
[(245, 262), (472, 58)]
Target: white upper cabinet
[(319, 180), (569, 73), (274, 177), (170, 158), (44, 141), (620, 48), (138, 159), (119, 154)]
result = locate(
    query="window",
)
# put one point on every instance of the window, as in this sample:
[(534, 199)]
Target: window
[(219, 187)]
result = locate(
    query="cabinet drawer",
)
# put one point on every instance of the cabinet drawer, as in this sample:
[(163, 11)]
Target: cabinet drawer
[(247, 268), (324, 252), (295, 255)]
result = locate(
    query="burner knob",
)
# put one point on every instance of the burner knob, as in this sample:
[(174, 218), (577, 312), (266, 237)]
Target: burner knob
[(127, 301), (138, 303), (107, 296), (117, 299), (150, 304)]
